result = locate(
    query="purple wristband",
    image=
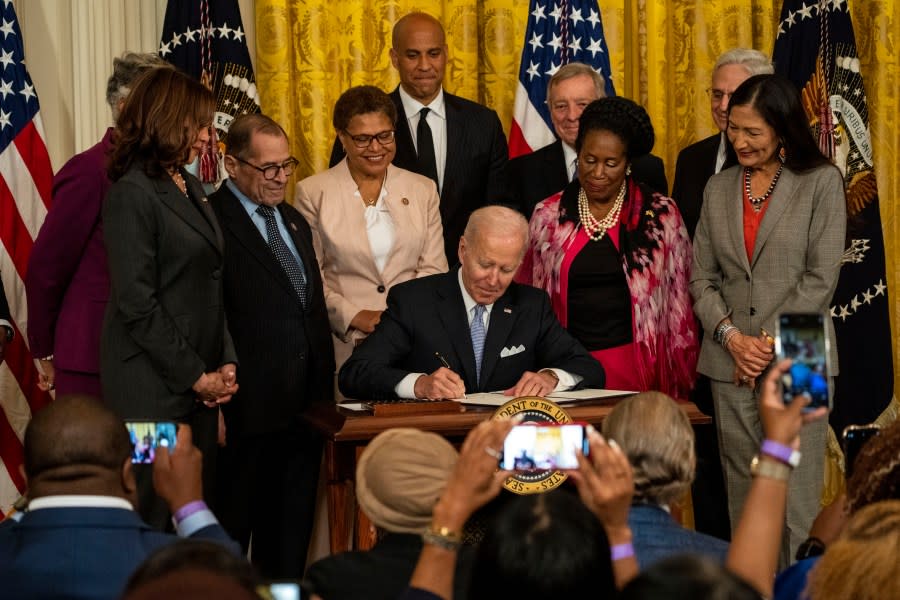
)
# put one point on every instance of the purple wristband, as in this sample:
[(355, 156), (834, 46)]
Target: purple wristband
[(620, 551), (777, 451), (188, 509)]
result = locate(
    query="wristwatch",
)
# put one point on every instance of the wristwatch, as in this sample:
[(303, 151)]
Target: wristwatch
[(770, 469)]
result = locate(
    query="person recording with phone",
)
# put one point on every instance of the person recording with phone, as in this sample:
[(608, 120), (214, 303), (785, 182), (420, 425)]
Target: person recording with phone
[(81, 536), (770, 241)]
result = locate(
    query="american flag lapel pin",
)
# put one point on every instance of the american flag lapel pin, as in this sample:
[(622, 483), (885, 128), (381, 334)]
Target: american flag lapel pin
[(507, 310)]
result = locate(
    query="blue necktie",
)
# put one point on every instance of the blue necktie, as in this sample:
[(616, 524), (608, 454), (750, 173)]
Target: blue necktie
[(476, 329), (279, 248)]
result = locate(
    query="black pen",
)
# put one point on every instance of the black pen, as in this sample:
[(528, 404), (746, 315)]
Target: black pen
[(444, 362)]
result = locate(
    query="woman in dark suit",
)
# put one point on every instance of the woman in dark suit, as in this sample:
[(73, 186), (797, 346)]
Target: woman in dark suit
[(769, 241), (166, 353)]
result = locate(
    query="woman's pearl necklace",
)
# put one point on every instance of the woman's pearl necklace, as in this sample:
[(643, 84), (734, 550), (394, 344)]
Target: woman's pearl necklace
[(594, 228), (757, 202)]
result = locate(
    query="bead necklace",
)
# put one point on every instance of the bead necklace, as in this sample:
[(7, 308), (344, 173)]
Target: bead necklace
[(179, 181), (757, 202), (595, 228)]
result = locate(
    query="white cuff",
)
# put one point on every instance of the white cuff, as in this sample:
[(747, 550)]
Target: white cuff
[(407, 386)]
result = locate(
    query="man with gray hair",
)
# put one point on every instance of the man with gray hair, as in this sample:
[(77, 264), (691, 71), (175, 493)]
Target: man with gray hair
[(67, 282), (546, 171), (701, 160), (472, 329)]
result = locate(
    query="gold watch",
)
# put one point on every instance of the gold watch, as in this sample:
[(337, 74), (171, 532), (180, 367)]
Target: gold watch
[(770, 469)]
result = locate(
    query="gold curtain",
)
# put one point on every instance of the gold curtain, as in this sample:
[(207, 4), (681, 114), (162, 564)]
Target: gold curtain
[(662, 53)]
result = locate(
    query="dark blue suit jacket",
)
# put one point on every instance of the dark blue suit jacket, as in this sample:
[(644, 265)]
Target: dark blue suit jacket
[(80, 552), (657, 535), (428, 315)]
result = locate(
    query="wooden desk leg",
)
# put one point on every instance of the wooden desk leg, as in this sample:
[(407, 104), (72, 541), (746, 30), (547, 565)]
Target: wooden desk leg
[(341, 502)]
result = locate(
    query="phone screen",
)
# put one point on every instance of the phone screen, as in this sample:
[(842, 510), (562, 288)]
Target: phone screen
[(284, 590), (855, 437), (801, 337), (543, 447), (147, 436)]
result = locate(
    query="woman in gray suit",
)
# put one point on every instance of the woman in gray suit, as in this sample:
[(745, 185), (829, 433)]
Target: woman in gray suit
[(769, 241), (165, 351)]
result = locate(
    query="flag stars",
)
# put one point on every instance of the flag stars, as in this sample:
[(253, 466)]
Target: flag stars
[(576, 17), (867, 297), (7, 29), (594, 47), (164, 50), (535, 42), (224, 30), (176, 40), (556, 42), (553, 69), (806, 12), (189, 35), (6, 88), (854, 303), (594, 19), (533, 70), (575, 45), (238, 34), (6, 58), (28, 92), (5, 120), (538, 13), (844, 313), (879, 288), (556, 13)]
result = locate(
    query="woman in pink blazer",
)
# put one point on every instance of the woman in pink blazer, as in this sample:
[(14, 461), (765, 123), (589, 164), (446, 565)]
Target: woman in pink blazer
[(374, 225)]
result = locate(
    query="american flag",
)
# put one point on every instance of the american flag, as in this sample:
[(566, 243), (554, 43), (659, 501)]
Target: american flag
[(25, 182), (558, 32), (816, 49)]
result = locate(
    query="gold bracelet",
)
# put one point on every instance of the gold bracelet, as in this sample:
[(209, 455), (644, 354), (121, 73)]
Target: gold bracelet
[(442, 537)]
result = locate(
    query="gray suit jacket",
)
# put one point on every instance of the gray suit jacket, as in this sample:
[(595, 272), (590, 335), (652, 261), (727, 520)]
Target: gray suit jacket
[(795, 264), (165, 321)]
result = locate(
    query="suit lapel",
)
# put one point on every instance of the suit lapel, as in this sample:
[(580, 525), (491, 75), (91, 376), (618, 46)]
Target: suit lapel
[(197, 214), (778, 203), (455, 127), (736, 223), (400, 214), (304, 248), (557, 167), (451, 311), (406, 157), (239, 223), (503, 316)]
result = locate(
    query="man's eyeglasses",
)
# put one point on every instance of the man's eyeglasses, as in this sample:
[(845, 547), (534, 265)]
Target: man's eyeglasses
[(270, 172), (717, 95), (364, 140)]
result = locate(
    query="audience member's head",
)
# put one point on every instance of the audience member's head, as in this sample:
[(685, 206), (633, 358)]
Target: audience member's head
[(491, 250), (419, 53), (687, 577), (774, 101), (78, 446), (543, 546), (569, 91), (164, 123), (658, 439), (400, 476), (876, 471), (621, 117), (730, 71), (258, 158), (193, 569), (126, 69), (862, 563)]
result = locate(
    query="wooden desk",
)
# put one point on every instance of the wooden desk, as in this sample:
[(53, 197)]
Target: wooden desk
[(347, 433)]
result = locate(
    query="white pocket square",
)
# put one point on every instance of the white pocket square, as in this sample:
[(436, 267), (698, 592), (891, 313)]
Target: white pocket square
[(512, 351)]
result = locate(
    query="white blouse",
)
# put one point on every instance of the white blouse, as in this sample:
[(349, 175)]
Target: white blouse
[(379, 229)]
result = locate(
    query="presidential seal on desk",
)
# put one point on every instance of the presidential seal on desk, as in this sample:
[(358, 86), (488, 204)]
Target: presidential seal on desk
[(536, 449)]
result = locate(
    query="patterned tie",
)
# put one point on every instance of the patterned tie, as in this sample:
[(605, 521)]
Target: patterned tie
[(573, 169), (425, 143), (292, 268), (476, 329)]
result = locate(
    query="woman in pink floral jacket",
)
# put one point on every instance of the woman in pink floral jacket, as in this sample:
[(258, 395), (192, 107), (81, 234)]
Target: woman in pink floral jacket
[(615, 258)]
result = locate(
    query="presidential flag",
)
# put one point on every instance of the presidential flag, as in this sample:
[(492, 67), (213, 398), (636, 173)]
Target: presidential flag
[(26, 178), (816, 48), (206, 39), (558, 32)]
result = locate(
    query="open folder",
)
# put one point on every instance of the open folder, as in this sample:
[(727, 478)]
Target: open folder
[(499, 399)]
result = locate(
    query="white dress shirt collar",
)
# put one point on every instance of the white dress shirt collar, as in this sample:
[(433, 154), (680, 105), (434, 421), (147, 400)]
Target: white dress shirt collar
[(411, 106), (470, 303), (78, 501)]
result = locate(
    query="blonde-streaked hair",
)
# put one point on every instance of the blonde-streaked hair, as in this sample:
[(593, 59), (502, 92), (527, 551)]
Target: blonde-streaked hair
[(862, 563), (658, 440)]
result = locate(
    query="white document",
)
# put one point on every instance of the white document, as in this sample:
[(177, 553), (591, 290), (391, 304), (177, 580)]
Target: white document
[(485, 399), (587, 394)]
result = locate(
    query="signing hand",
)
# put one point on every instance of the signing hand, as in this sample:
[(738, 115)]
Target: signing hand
[(440, 385), (366, 320), (534, 384)]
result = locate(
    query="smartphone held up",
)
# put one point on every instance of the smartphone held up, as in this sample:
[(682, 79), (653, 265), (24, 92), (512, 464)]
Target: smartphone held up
[(147, 436), (802, 338), (544, 447)]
